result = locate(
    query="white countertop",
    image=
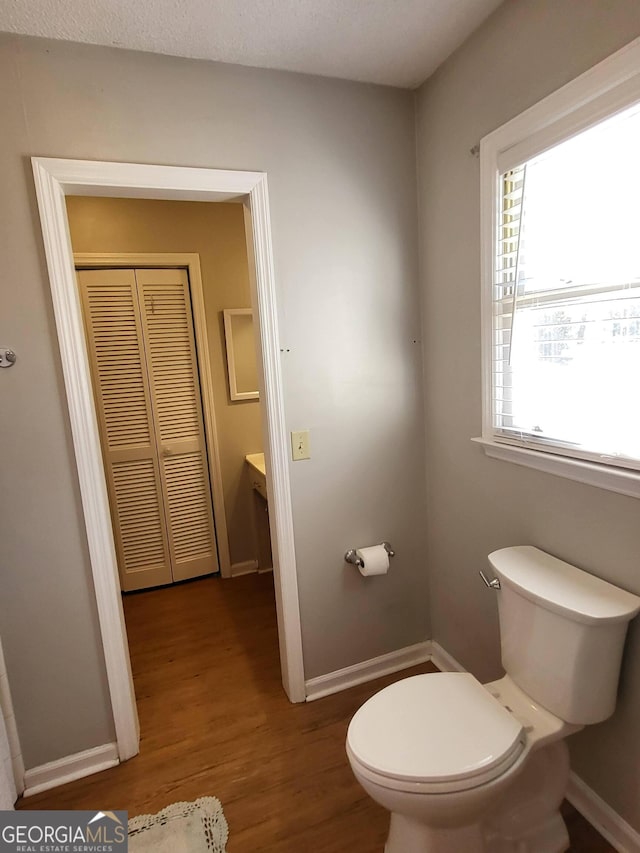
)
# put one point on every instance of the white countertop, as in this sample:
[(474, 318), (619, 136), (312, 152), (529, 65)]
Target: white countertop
[(256, 460)]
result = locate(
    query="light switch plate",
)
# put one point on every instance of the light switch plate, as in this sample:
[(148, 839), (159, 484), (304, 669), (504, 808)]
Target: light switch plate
[(300, 445)]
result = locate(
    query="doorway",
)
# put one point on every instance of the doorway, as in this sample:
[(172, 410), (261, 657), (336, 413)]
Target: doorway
[(207, 241), (54, 180)]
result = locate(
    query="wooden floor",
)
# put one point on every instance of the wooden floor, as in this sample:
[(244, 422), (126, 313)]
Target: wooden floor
[(215, 721)]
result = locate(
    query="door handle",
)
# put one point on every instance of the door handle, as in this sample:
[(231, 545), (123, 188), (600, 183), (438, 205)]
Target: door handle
[(492, 584)]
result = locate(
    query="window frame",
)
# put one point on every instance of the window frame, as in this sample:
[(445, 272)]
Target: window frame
[(604, 90)]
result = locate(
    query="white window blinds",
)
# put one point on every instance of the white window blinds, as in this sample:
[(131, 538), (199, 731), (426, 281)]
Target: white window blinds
[(566, 296), (508, 272)]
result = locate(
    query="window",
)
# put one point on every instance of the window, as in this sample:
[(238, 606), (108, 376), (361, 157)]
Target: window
[(567, 296), (561, 234)]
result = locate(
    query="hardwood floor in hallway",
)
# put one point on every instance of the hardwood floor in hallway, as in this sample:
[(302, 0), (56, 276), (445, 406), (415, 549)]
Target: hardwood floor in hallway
[(215, 721)]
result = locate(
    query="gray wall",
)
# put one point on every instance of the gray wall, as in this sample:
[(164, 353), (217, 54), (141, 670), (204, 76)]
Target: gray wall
[(341, 164), (526, 50)]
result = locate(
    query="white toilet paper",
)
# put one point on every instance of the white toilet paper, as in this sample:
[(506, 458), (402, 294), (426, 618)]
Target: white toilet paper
[(375, 559)]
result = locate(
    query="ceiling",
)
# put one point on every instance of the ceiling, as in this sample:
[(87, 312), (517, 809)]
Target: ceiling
[(393, 42)]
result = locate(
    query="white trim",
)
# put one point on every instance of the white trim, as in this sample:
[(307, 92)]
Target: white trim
[(191, 261), (359, 673), (54, 179), (443, 660), (142, 180), (603, 90), (276, 451), (609, 824), (70, 768), (8, 714), (624, 481), (247, 567), (50, 191)]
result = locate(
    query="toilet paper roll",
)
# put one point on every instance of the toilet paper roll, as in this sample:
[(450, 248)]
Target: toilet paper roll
[(375, 559)]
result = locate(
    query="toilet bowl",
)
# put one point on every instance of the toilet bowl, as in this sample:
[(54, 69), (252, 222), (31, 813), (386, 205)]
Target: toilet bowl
[(441, 752), (470, 768)]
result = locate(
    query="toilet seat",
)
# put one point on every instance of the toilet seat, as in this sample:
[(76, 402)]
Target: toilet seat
[(441, 732)]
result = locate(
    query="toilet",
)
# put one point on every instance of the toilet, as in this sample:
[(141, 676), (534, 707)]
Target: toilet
[(470, 768)]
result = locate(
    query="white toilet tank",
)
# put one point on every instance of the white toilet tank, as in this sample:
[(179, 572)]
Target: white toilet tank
[(562, 632)]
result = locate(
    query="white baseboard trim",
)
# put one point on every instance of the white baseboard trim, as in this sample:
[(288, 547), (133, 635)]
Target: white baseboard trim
[(358, 673), (248, 567), (443, 660), (69, 768), (609, 824), (591, 806)]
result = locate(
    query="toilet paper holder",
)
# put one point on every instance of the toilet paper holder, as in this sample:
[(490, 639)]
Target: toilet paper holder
[(352, 557)]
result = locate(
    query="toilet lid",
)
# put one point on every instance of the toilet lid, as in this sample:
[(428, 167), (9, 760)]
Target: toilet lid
[(437, 728)]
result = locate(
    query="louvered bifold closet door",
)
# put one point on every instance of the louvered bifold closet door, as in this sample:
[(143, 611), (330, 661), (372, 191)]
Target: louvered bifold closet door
[(177, 409), (116, 353)]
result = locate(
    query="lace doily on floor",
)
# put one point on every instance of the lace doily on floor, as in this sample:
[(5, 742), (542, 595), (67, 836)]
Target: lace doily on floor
[(196, 827)]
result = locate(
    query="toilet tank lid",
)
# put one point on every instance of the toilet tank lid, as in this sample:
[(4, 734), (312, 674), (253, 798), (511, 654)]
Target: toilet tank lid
[(562, 587)]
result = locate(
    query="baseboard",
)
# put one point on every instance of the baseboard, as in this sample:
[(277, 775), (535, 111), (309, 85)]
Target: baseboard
[(248, 567), (609, 824), (358, 673), (443, 660), (69, 768)]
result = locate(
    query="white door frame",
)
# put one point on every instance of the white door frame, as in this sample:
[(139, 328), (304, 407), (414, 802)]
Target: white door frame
[(55, 179)]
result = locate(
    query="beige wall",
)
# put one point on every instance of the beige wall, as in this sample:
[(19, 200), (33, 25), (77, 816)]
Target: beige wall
[(216, 233), (340, 159), (526, 50)]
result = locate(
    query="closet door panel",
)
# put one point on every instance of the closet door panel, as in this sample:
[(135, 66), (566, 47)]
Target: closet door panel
[(123, 406), (177, 410)]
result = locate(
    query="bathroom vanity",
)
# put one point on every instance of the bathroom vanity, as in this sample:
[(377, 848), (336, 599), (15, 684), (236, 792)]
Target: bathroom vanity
[(258, 479), (257, 472)]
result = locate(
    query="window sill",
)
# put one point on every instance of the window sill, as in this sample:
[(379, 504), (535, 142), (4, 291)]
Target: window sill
[(621, 480)]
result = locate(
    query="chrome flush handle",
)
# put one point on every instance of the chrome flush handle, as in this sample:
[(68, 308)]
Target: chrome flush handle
[(492, 584)]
